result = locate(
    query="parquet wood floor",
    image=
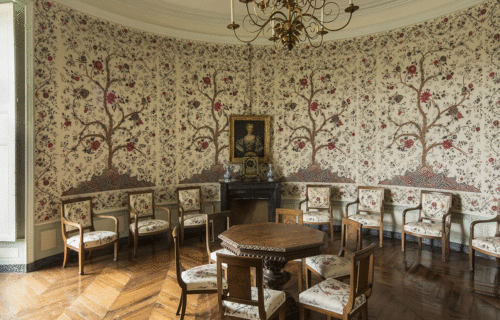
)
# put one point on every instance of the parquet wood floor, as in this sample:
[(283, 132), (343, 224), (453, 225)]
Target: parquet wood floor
[(411, 285)]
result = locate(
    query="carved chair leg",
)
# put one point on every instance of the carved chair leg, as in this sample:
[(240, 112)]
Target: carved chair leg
[(81, 261), (381, 235), (302, 313), (300, 276), (182, 235), (136, 243), (471, 258), (283, 311), (308, 278), (443, 249), (66, 254), (116, 250), (420, 242), (184, 303), (331, 230), (403, 241), (364, 311), (180, 303)]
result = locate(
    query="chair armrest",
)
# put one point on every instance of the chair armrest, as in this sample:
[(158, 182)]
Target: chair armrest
[(168, 213), (410, 209), (109, 217), (473, 224), (301, 202), (74, 224), (347, 207), (204, 202)]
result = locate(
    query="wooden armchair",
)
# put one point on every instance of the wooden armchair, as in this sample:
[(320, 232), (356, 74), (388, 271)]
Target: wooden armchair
[(77, 216), (191, 214), (338, 299), (486, 245), (435, 208), (370, 209), (216, 224), (318, 199), (336, 266), (197, 280), (242, 301), (142, 219)]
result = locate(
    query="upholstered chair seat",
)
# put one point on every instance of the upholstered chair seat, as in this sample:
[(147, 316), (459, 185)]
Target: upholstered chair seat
[(490, 244), (273, 299), (151, 225), (202, 278), (329, 266), (93, 239), (330, 295), (316, 217), (366, 220), (193, 220), (425, 228)]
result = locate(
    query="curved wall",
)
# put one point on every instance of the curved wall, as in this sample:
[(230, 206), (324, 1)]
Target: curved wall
[(409, 109)]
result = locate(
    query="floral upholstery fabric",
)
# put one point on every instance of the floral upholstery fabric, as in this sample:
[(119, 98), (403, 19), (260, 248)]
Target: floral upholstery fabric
[(213, 255), (190, 199), (273, 299), (142, 204), (202, 278), (149, 225), (331, 295), (367, 220), (425, 228), (329, 266), (78, 212), (370, 200), (316, 216), (318, 197), (92, 239), (434, 206), (490, 244), (194, 220)]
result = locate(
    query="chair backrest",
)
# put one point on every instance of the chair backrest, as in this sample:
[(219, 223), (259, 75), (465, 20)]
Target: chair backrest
[(78, 211), (371, 199), (142, 203), (351, 239), (189, 198), (177, 259), (239, 281), (289, 216), (318, 197), (361, 276), (216, 224), (434, 204)]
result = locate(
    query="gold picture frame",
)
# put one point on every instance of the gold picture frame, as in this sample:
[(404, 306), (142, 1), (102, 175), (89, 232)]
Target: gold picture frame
[(247, 134)]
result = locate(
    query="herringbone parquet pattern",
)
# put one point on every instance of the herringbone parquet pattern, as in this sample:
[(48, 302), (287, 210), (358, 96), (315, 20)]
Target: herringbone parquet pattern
[(411, 285)]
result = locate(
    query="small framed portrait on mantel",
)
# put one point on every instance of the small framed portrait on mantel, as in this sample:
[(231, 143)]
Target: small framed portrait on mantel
[(249, 135)]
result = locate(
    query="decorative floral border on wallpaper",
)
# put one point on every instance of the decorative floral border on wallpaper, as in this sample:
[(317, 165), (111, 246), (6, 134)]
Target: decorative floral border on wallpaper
[(417, 107)]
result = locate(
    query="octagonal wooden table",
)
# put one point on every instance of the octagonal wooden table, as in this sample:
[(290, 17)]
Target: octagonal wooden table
[(276, 243)]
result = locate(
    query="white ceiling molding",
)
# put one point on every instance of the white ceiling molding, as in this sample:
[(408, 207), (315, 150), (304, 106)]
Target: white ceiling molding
[(206, 22)]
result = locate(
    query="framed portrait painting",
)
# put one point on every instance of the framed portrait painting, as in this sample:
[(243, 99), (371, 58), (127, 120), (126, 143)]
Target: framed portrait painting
[(249, 136)]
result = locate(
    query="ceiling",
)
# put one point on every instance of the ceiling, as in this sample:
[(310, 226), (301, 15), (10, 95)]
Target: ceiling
[(207, 20)]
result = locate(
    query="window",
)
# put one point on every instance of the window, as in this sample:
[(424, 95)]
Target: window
[(7, 124)]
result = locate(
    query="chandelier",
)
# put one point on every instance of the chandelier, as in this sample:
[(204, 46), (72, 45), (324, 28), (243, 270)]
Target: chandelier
[(287, 22)]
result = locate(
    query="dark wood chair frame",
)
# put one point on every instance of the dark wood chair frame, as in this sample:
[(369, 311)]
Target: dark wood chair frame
[(472, 248), (445, 223), (216, 224), (361, 282), (306, 200), (292, 216), (136, 218), (350, 242), (239, 282), (379, 212), (178, 271), (182, 211), (81, 247)]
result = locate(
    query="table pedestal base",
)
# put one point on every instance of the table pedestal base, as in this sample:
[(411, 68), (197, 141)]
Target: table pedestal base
[(275, 278)]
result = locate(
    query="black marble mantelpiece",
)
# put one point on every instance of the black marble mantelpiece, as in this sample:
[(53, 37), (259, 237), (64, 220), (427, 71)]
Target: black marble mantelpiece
[(253, 190)]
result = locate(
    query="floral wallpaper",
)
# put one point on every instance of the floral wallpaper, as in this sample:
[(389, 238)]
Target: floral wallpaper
[(409, 109)]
